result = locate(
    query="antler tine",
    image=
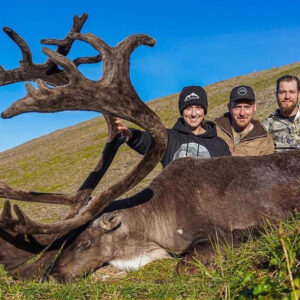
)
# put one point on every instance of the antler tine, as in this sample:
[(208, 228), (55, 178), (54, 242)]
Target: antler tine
[(130, 43), (6, 218), (113, 143), (47, 71), (6, 213), (45, 99), (64, 45), (87, 60), (124, 49), (12, 193), (70, 68), (93, 40), (26, 53), (22, 224)]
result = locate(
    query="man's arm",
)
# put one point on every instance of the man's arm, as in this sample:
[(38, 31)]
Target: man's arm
[(266, 124), (225, 150), (268, 146)]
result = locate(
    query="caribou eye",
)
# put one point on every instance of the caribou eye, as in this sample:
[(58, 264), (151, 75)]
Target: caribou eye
[(83, 245)]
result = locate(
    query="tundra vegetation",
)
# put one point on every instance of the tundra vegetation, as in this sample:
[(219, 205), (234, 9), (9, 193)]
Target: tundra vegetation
[(265, 267)]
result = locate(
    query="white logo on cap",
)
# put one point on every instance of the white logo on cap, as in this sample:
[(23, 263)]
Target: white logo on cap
[(191, 96), (242, 91)]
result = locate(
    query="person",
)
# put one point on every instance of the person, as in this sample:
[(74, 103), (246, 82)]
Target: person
[(244, 135), (191, 136), (284, 123)]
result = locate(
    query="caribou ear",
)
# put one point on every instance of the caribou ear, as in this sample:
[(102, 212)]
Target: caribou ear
[(108, 221)]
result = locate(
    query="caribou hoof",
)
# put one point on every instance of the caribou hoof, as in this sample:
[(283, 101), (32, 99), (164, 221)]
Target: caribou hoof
[(190, 263), (185, 267)]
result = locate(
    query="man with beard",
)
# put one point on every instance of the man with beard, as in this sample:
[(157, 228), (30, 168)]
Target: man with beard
[(284, 123), (244, 135)]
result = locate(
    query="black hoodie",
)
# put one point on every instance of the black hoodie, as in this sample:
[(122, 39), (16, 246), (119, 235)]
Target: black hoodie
[(182, 142)]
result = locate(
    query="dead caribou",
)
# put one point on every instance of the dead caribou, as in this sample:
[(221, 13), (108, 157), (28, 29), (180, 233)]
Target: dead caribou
[(183, 209)]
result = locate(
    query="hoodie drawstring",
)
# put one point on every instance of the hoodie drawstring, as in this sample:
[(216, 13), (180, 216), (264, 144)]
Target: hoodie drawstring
[(187, 147)]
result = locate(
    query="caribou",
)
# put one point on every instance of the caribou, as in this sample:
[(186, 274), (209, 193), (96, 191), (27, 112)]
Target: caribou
[(188, 206)]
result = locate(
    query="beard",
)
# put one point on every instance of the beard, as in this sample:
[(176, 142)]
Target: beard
[(286, 110)]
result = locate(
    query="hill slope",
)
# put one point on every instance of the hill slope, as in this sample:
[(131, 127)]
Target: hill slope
[(60, 161)]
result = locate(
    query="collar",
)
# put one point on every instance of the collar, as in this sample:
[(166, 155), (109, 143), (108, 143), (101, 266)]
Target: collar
[(258, 130), (276, 114)]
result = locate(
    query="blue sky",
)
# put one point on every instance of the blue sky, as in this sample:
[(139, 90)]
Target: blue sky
[(198, 42)]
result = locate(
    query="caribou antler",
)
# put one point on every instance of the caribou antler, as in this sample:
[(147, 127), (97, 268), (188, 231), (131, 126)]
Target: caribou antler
[(79, 198), (47, 71), (113, 95)]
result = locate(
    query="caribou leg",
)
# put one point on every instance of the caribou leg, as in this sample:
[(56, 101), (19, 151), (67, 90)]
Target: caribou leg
[(202, 252)]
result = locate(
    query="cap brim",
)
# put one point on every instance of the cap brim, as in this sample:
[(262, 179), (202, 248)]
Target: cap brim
[(241, 98)]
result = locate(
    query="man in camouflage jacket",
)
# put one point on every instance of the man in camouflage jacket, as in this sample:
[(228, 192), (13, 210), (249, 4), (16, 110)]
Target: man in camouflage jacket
[(284, 124)]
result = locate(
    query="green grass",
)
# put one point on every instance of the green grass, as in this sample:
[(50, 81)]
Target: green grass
[(256, 269)]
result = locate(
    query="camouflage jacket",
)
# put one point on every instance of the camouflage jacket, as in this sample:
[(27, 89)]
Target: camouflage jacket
[(286, 135)]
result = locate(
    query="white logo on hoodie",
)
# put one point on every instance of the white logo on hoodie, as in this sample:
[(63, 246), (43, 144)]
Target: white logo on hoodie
[(191, 150)]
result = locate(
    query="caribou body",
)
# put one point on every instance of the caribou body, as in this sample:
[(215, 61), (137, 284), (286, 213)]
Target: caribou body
[(184, 209), (187, 206)]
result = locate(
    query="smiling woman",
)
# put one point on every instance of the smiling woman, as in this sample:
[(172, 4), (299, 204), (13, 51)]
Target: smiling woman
[(193, 116), (191, 136), (192, 106)]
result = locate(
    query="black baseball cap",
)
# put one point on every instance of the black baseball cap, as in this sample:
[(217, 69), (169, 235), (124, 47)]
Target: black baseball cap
[(242, 92)]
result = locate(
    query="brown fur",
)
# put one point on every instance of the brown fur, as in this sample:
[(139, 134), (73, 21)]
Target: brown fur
[(226, 196), (180, 212)]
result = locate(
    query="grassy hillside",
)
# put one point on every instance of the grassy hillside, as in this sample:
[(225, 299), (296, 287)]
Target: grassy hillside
[(60, 161)]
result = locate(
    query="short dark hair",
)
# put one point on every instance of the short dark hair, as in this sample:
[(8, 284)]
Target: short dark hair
[(288, 78)]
